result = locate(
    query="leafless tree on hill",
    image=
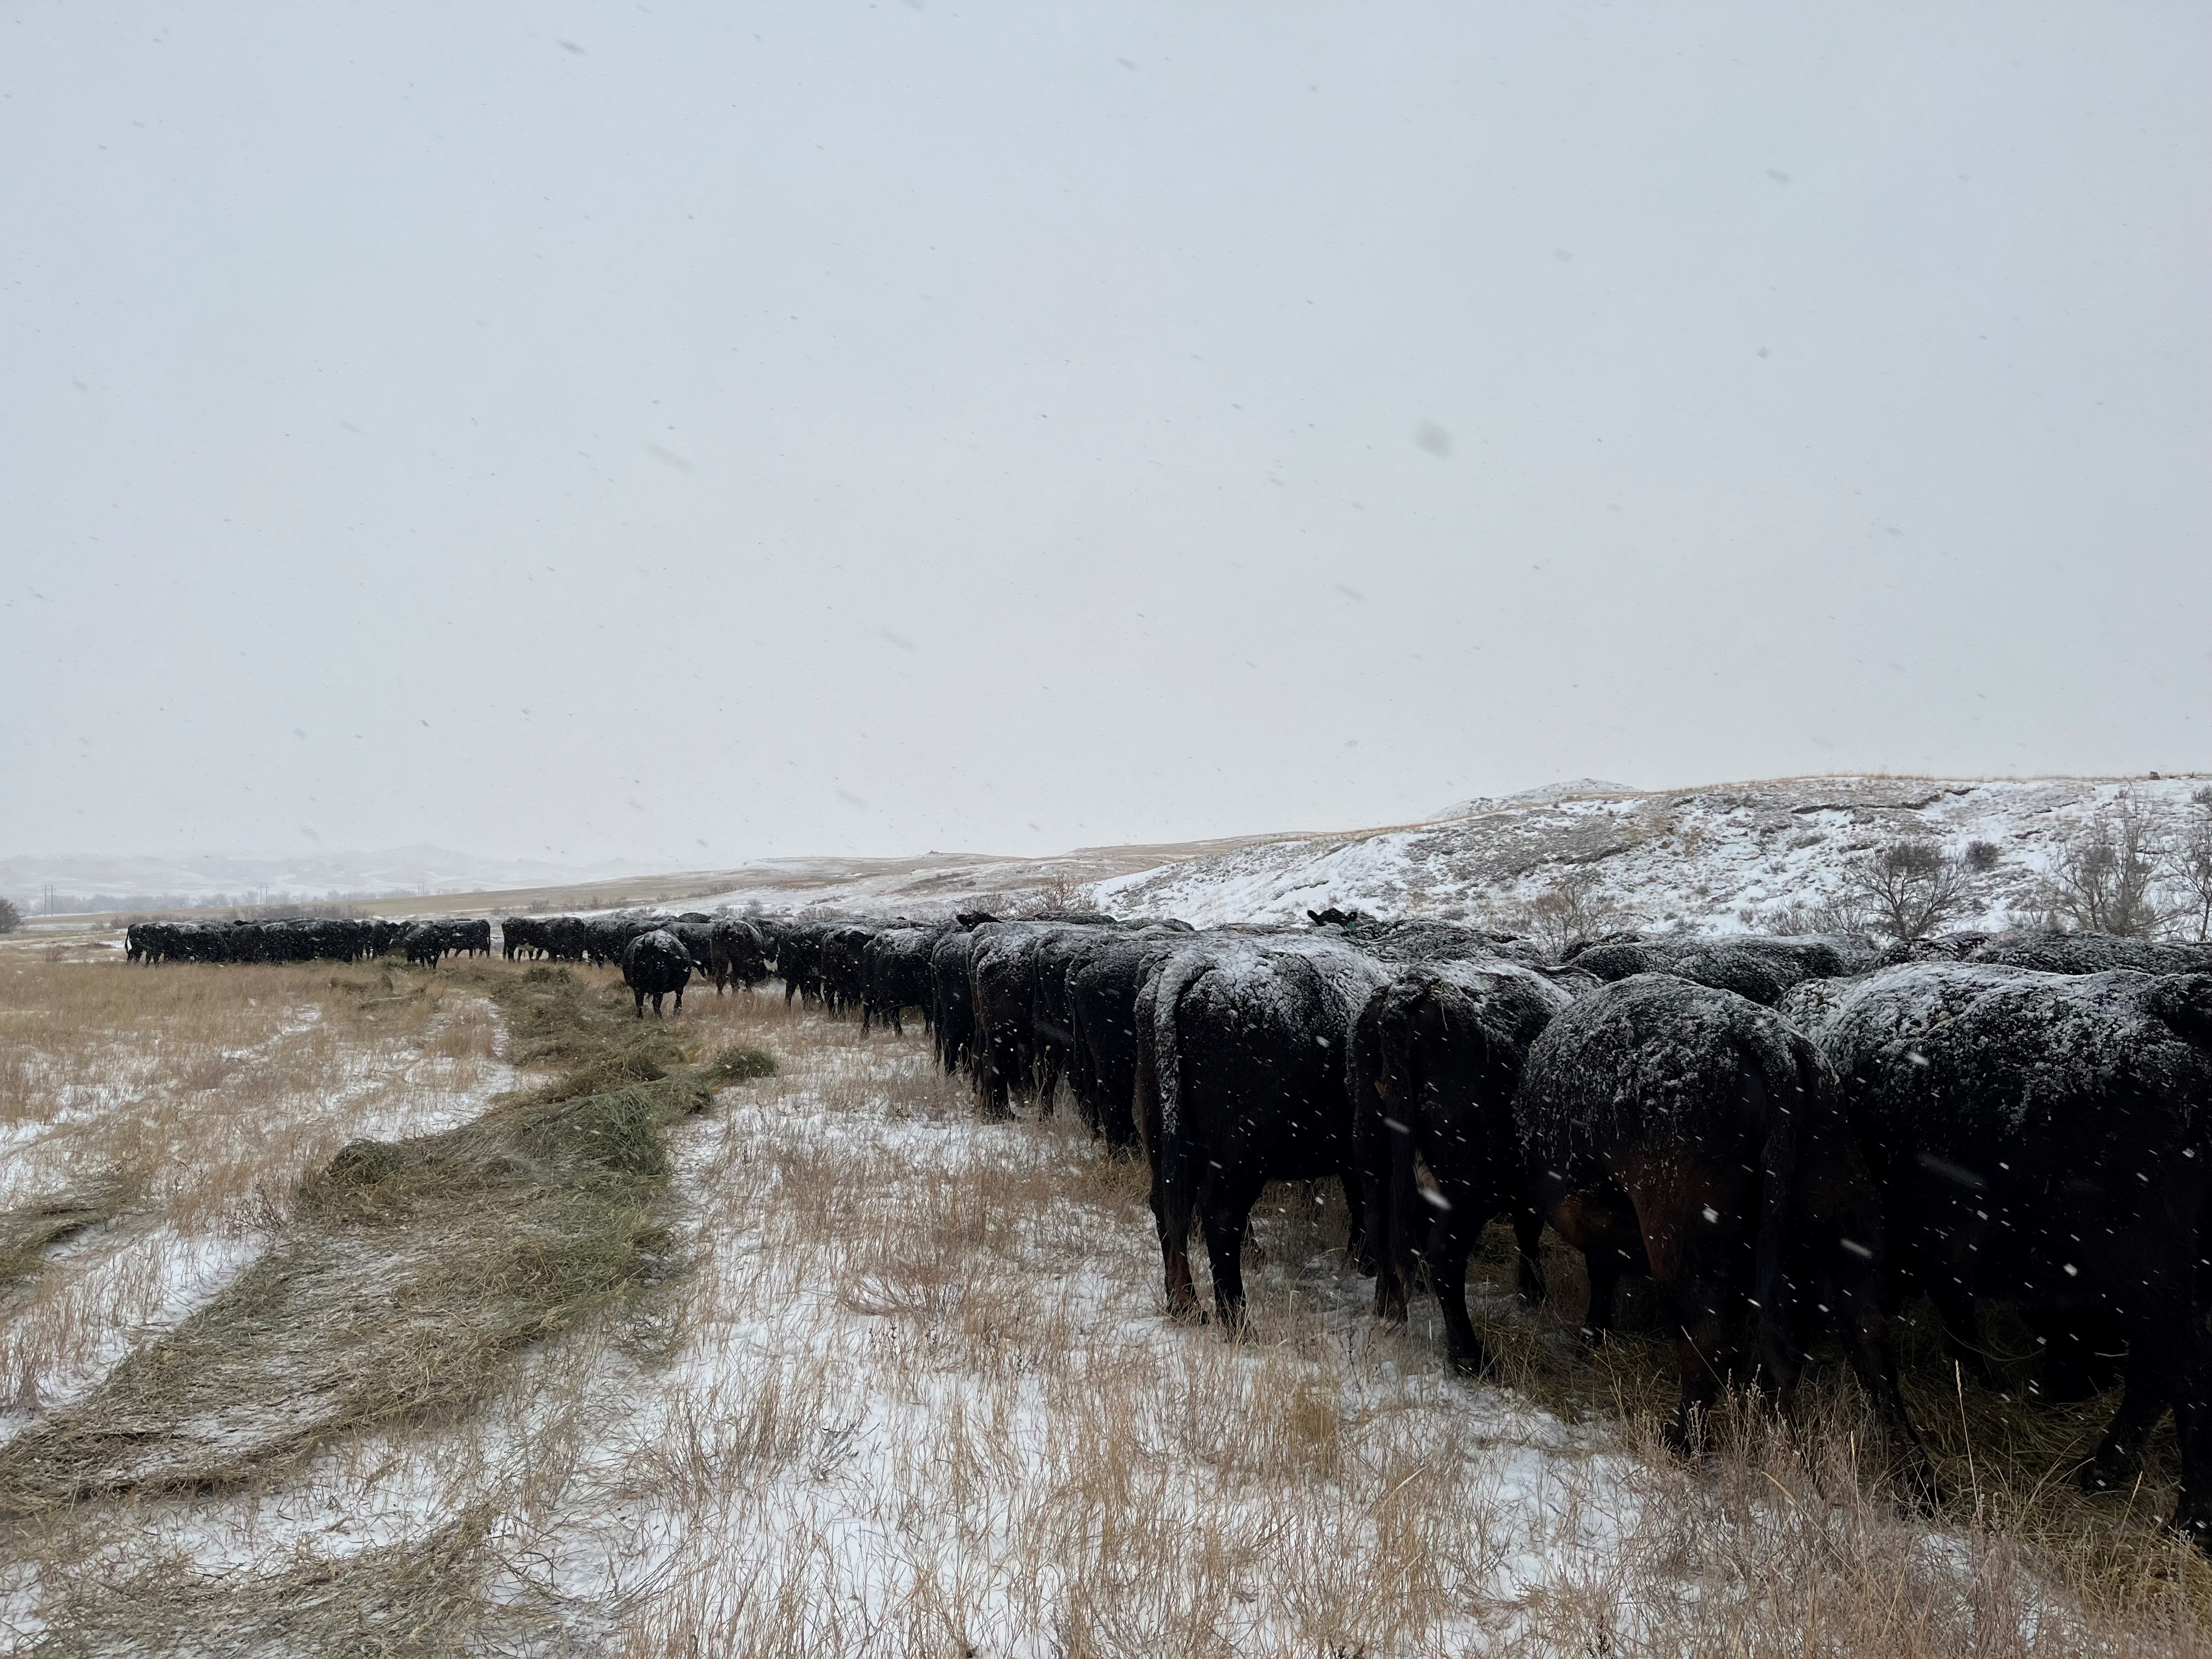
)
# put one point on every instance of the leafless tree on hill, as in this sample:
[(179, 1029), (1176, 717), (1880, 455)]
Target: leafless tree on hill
[(1574, 906), (2190, 860), (2105, 878), (1908, 889)]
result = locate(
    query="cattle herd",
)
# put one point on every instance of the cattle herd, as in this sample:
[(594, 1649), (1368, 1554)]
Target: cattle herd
[(1791, 1136), (299, 939)]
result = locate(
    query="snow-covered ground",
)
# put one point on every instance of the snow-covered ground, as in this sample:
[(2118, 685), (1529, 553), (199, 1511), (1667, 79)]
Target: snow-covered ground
[(1712, 857), (209, 1202), (921, 1397), (910, 1387)]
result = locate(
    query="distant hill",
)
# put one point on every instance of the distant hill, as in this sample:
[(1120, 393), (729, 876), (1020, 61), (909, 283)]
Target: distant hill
[(1709, 857), (1717, 856), (1570, 789), (306, 875)]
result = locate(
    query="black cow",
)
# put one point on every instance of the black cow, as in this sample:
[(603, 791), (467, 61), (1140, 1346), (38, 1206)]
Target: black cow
[(798, 947), (1761, 966), (1436, 1056), (1241, 1081), (2090, 953), (521, 937), (2042, 1138), (953, 1005), (1690, 1120), (653, 964), (564, 938), (895, 976), (697, 938), (1102, 1002), (1429, 938), (737, 953), (1009, 1053), (606, 938), (844, 964)]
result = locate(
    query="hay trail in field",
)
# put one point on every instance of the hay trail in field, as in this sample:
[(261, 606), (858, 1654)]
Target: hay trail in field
[(411, 1268)]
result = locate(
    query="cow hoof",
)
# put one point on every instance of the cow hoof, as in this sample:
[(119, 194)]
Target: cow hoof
[(1682, 1443), (1917, 1488), (2107, 1472)]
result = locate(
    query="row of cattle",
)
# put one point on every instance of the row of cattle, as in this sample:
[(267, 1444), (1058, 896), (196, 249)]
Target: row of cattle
[(1810, 1130), (303, 939), (1794, 1135)]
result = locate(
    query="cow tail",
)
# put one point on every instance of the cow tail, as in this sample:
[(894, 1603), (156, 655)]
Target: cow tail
[(1796, 1095), (1171, 1148)]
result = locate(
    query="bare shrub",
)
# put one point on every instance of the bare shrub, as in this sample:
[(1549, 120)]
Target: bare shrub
[(2189, 860), (1827, 913), (1908, 888), (1981, 856), (1574, 906), (2103, 879)]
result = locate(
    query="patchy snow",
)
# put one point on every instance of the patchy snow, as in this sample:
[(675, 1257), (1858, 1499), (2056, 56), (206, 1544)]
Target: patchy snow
[(1570, 790), (112, 1288), (1712, 857)]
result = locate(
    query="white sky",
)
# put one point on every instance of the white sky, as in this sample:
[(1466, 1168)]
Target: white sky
[(707, 431)]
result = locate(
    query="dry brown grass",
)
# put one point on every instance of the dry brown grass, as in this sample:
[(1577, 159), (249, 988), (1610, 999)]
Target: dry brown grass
[(905, 1388), (173, 1112), (409, 1269)]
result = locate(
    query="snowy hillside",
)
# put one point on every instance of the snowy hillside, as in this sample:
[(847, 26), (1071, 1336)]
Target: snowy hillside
[(1712, 857)]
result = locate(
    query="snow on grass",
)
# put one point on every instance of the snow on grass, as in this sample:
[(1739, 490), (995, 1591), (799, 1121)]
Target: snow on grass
[(1710, 858), (189, 1139)]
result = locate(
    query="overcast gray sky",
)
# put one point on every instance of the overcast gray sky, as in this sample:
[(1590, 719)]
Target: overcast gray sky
[(700, 431)]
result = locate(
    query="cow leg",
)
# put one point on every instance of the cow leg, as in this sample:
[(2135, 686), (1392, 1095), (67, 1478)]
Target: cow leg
[(2118, 1459), (1371, 1152), (1355, 1210), (1603, 1266), (1706, 1354), (1954, 1315), (898, 1027), (2193, 1423), (1452, 1238), (1228, 1214), (1601, 1226), (1693, 1219), (991, 1082), (640, 1003), (679, 999), (1172, 1215), (1527, 1242)]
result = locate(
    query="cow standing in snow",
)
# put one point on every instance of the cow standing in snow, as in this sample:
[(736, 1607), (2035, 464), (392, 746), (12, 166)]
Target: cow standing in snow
[(2046, 1140), (652, 965)]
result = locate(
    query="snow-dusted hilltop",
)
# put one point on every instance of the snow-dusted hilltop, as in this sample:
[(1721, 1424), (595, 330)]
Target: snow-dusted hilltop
[(1573, 789), (1722, 856)]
